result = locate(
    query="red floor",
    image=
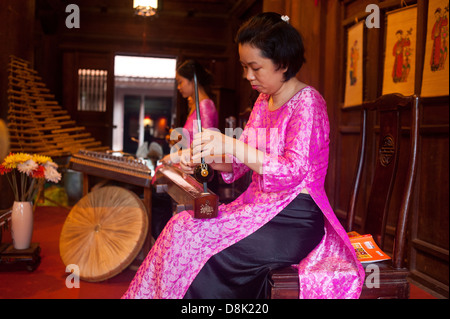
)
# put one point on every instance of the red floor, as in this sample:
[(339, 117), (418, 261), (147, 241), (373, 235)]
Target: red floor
[(48, 281)]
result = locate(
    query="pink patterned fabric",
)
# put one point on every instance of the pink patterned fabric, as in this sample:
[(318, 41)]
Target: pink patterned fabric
[(296, 159), (208, 116)]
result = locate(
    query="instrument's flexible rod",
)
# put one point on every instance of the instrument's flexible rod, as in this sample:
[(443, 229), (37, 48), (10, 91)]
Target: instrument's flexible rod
[(199, 122)]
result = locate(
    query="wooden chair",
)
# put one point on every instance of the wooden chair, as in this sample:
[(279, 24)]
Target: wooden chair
[(389, 110)]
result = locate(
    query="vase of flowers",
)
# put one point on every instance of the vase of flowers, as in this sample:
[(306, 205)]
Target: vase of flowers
[(24, 173)]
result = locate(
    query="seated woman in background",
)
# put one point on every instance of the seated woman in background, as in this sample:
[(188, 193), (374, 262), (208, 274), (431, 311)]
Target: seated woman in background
[(162, 203), (208, 112), (284, 217)]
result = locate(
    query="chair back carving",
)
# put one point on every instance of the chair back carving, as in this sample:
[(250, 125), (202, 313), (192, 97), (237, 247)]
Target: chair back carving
[(389, 110)]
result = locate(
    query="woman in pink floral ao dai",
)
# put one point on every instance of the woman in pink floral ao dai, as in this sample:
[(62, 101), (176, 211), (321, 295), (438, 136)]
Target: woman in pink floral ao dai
[(284, 217)]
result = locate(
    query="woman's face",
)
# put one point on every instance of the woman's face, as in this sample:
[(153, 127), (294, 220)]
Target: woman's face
[(261, 72), (185, 86)]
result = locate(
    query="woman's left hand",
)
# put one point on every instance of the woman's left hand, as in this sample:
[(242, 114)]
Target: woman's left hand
[(186, 163)]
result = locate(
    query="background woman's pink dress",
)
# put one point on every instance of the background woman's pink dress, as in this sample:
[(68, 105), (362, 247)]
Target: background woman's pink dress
[(208, 117)]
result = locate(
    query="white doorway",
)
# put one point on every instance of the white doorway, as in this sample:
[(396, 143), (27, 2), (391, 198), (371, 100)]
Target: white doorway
[(144, 100)]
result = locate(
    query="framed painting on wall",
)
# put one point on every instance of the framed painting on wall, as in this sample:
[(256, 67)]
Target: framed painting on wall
[(399, 62), (435, 80), (354, 73)]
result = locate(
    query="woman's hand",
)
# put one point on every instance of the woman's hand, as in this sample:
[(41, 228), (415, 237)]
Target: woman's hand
[(166, 160), (186, 163), (210, 145)]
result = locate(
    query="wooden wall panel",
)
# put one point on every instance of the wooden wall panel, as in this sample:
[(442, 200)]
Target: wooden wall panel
[(429, 253), (16, 37), (99, 124), (346, 161), (428, 242), (330, 88), (433, 173), (17, 40)]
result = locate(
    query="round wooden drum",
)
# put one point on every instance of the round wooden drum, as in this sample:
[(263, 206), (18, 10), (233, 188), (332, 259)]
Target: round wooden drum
[(104, 233)]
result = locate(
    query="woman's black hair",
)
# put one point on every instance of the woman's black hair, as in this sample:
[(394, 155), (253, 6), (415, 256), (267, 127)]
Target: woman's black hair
[(277, 40), (204, 77)]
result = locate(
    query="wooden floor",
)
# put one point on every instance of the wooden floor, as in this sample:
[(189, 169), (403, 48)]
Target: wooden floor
[(48, 281)]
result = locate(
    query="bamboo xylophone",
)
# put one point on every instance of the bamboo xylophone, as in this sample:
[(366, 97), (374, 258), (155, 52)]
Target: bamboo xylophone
[(36, 123)]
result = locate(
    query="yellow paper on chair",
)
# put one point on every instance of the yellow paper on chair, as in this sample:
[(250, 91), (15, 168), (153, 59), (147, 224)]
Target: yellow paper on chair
[(435, 80), (354, 75), (399, 63)]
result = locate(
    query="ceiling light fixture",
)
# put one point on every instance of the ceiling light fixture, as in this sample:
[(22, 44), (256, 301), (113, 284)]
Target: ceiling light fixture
[(145, 8)]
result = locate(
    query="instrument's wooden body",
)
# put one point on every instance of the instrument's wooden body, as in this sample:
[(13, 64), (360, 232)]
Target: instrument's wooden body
[(186, 191)]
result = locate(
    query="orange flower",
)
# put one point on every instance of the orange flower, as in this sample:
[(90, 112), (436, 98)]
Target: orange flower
[(39, 172), (4, 170)]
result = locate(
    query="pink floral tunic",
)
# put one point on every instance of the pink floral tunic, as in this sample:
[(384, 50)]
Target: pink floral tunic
[(296, 141), (208, 116)]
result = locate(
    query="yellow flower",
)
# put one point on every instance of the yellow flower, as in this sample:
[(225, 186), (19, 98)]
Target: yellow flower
[(41, 159), (13, 159), (29, 168)]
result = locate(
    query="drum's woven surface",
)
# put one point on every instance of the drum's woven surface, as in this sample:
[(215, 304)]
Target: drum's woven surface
[(104, 232)]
